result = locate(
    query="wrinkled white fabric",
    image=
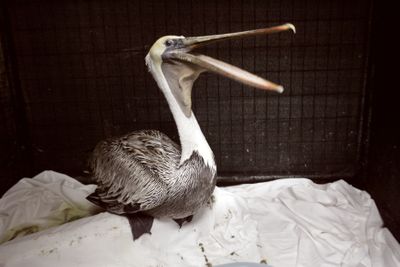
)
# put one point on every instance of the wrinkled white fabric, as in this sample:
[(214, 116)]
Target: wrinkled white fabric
[(47, 200), (289, 222)]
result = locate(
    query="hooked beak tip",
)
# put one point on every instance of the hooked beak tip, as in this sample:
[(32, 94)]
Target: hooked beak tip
[(291, 27), (280, 89)]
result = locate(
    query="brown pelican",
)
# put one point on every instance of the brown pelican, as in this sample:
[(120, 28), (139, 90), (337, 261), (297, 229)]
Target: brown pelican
[(144, 174)]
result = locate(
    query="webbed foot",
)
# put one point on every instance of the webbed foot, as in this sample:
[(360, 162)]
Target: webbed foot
[(180, 222), (140, 224)]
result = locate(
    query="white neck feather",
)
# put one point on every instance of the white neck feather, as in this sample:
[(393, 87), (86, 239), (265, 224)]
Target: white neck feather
[(190, 134)]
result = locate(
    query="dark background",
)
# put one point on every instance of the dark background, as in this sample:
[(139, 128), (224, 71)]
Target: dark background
[(381, 173), (73, 73)]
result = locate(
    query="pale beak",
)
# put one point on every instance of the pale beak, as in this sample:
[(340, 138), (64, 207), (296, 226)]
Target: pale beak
[(183, 52)]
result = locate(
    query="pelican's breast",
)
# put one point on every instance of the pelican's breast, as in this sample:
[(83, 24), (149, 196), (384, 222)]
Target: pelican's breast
[(193, 185)]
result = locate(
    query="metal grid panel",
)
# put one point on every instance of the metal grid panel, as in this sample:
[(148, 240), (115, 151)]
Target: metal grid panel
[(7, 119), (81, 84), (11, 161)]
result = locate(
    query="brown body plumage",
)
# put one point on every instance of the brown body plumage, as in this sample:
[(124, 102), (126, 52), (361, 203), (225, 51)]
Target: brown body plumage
[(141, 172)]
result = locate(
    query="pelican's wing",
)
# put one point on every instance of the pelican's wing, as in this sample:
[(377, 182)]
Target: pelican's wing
[(132, 171)]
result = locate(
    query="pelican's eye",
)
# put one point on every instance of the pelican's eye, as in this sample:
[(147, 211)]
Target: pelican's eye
[(169, 42)]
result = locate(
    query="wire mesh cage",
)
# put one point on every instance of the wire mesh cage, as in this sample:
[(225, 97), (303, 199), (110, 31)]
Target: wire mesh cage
[(81, 71), (7, 135)]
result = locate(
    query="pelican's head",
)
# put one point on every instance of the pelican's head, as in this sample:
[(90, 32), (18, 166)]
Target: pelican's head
[(176, 66)]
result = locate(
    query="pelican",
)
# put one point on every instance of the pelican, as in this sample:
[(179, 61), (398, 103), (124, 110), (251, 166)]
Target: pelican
[(144, 174)]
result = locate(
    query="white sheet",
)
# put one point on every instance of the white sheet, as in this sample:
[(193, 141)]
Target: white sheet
[(290, 222)]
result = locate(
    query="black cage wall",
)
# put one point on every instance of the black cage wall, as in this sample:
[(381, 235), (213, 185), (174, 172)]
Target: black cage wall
[(79, 67)]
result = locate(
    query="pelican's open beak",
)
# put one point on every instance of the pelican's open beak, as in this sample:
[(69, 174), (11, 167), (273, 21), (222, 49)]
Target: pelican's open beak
[(181, 50)]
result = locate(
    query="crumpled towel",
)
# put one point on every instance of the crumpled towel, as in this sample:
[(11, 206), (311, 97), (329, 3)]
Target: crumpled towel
[(47, 200), (288, 222)]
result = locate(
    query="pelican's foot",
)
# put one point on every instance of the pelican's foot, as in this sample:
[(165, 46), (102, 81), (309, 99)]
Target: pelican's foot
[(140, 224), (180, 222)]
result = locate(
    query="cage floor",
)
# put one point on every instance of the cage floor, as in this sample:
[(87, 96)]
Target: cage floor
[(288, 222)]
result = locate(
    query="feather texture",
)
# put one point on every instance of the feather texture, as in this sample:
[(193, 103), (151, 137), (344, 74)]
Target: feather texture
[(141, 172)]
